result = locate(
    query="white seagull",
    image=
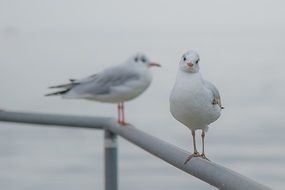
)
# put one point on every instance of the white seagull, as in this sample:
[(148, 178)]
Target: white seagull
[(194, 101), (113, 85)]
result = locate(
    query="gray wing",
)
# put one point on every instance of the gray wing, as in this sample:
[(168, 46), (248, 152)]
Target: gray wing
[(215, 92), (102, 83)]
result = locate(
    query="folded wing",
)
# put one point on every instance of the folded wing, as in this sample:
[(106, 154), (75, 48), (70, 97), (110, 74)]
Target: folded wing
[(97, 84), (215, 92)]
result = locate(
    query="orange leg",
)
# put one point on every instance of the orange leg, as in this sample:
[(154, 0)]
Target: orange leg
[(196, 153), (121, 114), (203, 146)]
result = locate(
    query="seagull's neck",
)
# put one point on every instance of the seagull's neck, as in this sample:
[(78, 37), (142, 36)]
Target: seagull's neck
[(188, 82), (188, 74), (189, 77)]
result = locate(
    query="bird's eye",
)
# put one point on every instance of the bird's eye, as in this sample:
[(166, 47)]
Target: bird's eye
[(136, 59), (143, 59), (184, 58), (197, 61)]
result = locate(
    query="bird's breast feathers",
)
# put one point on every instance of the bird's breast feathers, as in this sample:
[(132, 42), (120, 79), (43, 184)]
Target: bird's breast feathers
[(191, 102)]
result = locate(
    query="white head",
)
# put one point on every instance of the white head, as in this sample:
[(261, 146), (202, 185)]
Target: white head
[(142, 59), (190, 62)]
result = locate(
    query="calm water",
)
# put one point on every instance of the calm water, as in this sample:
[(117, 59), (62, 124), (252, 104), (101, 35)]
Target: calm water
[(246, 65)]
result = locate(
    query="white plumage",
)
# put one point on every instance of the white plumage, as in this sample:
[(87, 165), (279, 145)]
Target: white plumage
[(113, 85), (194, 101)]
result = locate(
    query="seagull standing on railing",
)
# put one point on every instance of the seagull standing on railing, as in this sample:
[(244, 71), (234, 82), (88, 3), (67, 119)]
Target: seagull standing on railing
[(194, 101), (113, 85)]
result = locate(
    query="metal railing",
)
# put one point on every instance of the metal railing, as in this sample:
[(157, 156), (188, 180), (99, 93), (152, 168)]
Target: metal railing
[(209, 172)]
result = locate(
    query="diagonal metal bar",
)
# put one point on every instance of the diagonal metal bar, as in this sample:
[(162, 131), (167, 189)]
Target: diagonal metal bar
[(209, 172)]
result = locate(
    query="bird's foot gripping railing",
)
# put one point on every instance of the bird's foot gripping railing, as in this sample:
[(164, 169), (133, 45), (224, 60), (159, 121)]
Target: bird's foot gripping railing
[(209, 172)]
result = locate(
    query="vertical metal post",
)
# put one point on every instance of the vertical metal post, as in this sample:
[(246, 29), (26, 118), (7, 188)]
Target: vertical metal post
[(111, 162)]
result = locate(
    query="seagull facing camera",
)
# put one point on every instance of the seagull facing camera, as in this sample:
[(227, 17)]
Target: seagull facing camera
[(194, 102), (190, 62)]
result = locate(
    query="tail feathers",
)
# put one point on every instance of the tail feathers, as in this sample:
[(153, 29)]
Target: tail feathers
[(67, 85), (58, 92), (61, 86), (72, 83)]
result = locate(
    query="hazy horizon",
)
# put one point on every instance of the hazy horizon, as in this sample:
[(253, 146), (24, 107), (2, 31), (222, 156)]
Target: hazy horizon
[(42, 43)]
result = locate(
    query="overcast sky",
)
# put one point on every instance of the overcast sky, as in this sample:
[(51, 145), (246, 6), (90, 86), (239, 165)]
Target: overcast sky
[(241, 45), (33, 14)]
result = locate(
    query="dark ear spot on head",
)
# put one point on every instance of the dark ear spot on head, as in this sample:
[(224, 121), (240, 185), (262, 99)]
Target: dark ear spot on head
[(143, 59), (197, 61), (136, 59)]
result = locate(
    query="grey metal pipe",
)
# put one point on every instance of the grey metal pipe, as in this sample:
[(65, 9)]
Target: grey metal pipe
[(53, 119), (209, 172), (111, 160)]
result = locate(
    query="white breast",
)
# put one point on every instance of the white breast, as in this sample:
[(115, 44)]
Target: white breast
[(191, 101)]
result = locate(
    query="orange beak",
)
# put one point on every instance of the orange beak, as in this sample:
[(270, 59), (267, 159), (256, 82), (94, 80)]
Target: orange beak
[(190, 64), (154, 65)]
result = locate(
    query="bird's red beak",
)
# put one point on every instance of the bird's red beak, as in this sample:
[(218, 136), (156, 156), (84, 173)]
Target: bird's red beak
[(154, 65), (190, 64)]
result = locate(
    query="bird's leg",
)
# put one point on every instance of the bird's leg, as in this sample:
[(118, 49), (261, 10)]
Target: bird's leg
[(123, 114), (196, 153), (203, 145), (119, 113), (194, 143), (203, 142)]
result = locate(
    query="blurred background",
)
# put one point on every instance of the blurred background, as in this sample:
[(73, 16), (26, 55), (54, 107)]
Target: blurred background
[(42, 43)]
